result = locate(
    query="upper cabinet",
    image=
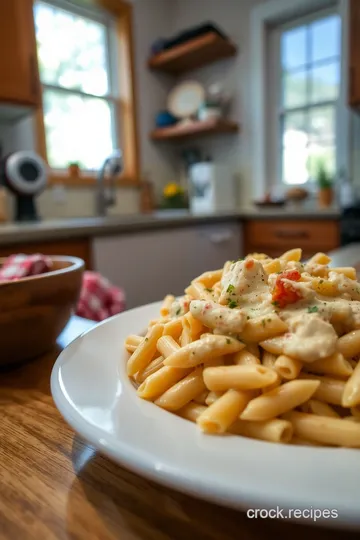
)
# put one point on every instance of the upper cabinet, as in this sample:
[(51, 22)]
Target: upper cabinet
[(19, 78), (354, 53)]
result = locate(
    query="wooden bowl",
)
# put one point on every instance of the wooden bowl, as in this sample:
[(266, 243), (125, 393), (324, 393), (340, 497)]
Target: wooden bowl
[(34, 310)]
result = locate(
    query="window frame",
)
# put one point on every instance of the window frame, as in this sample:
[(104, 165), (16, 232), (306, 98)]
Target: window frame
[(282, 111), (263, 19), (122, 90)]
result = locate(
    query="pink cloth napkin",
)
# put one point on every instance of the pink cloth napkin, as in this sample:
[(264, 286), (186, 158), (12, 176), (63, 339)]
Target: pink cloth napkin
[(99, 299)]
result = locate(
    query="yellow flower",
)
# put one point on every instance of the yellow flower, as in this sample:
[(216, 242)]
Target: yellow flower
[(172, 189)]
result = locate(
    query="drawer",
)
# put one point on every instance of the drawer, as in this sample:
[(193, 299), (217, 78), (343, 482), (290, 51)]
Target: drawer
[(285, 234)]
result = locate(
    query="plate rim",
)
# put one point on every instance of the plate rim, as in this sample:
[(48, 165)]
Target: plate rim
[(140, 462)]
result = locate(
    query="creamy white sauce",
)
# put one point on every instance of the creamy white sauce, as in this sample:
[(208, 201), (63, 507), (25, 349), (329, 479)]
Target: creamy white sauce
[(314, 322)]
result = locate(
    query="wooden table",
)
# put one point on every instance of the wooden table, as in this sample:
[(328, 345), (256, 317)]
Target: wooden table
[(53, 485)]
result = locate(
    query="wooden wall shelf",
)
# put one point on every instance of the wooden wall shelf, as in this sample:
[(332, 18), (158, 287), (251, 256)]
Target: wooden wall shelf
[(193, 54), (196, 128)]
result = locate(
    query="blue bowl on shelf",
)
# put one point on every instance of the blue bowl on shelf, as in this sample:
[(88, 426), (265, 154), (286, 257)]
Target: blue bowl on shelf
[(165, 119)]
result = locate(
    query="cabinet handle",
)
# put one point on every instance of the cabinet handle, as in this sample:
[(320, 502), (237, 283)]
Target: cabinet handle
[(221, 237), (292, 234), (34, 86)]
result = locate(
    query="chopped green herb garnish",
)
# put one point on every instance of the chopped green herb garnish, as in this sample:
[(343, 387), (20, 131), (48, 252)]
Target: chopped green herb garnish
[(232, 304), (146, 339), (228, 341), (248, 317), (313, 309), (275, 303), (230, 289), (208, 289), (321, 281), (263, 322), (178, 311)]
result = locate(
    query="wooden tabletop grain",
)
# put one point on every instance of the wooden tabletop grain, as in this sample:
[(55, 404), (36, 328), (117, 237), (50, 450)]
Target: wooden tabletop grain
[(53, 485)]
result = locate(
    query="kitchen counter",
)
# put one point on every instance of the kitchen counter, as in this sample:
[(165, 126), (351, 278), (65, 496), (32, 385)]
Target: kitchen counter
[(13, 233), (346, 256)]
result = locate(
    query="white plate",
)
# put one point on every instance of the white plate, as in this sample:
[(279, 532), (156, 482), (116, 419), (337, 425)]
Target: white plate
[(91, 390), (185, 99)]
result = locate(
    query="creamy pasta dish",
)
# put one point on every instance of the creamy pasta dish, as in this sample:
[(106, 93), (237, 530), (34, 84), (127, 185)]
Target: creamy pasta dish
[(262, 348)]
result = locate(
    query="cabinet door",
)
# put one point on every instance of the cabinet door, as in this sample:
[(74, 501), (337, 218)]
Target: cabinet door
[(150, 265), (354, 53), (19, 78)]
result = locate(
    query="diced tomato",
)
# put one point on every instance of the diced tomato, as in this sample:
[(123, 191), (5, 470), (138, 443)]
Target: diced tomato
[(283, 293), (249, 264)]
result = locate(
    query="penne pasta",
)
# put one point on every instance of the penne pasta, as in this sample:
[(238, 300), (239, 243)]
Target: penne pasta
[(173, 328), (208, 279), (330, 390), (320, 408), (347, 271), (276, 430), (143, 354), (194, 326), (250, 377), (319, 258), (273, 345), (203, 350), (268, 360), (151, 368), (349, 345), (244, 357), (191, 411), (253, 348), (261, 328), (351, 394), (223, 412), (332, 365), (167, 345), (280, 400), (160, 381), (212, 397), (325, 430), (132, 342), (167, 303), (287, 367), (182, 392), (292, 255), (201, 398)]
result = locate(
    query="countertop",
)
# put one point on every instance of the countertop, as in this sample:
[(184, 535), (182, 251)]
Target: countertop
[(55, 486), (12, 233)]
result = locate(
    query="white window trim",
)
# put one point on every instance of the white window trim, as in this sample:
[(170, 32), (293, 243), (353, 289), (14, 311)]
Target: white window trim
[(271, 13)]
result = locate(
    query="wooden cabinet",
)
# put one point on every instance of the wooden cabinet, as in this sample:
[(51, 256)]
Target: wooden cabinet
[(354, 53), (77, 247), (19, 77), (273, 237)]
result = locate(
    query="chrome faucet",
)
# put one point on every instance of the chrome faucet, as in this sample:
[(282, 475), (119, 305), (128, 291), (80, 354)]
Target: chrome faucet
[(106, 195)]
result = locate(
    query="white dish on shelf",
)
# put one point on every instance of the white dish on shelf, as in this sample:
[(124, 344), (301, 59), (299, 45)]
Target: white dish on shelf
[(185, 99), (92, 391)]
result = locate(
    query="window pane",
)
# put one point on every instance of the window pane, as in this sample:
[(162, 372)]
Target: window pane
[(72, 50), (295, 158), (294, 89), (321, 154), (322, 124), (325, 38), (77, 129), (324, 82), (293, 48)]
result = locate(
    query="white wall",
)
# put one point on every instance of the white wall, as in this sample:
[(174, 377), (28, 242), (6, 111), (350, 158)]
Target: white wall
[(233, 17)]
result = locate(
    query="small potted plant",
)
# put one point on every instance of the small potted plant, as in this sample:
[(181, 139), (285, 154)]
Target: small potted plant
[(174, 197), (74, 169), (325, 185)]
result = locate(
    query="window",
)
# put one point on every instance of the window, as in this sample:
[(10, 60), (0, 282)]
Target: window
[(309, 55), (82, 55)]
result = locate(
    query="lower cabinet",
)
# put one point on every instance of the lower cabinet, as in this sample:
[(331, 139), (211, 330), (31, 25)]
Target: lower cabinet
[(275, 236), (149, 265)]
